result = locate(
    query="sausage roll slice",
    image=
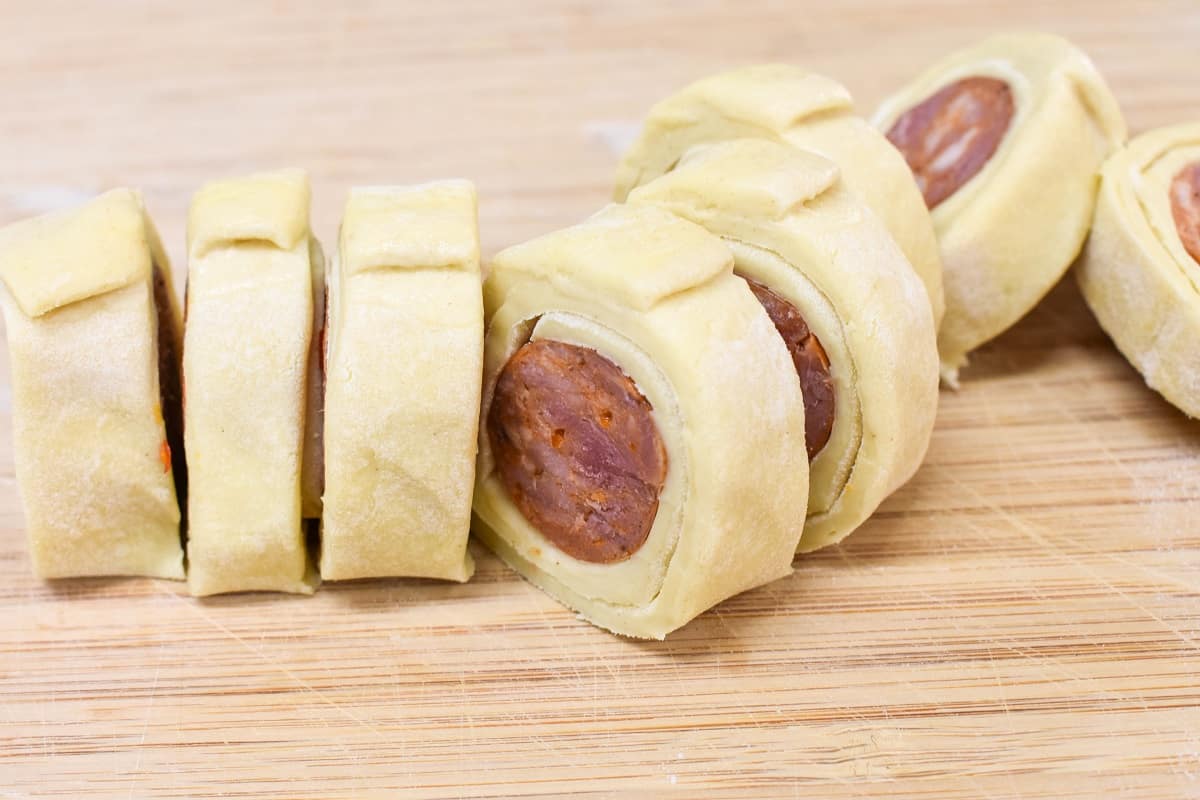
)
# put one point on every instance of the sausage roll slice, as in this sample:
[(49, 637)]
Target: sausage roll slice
[(642, 444), (1005, 140), (788, 104), (1140, 271), (853, 315), (404, 362), (94, 337), (247, 339)]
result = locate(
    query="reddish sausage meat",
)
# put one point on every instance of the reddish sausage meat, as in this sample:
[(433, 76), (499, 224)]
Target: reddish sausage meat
[(577, 449), (950, 136), (1185, 208), (812, 365)]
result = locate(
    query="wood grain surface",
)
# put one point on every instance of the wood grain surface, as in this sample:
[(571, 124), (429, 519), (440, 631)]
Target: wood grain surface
[(1022, 620)]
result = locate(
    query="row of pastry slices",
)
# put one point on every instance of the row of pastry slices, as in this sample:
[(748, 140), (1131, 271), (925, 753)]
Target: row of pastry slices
[(647, 412)]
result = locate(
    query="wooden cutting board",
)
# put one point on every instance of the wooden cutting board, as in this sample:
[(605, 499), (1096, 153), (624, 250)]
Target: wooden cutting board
[(1022, 620)]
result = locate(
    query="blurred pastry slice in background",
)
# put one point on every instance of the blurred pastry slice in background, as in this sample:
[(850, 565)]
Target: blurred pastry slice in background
[(1005, 140), (1140, 271)]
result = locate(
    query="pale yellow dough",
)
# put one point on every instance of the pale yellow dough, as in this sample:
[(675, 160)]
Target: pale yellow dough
[(789, 104), (1143, 286), (1010, 232), (657, 296), (405, 353), (794, 226), (88, 433), (246, 369)]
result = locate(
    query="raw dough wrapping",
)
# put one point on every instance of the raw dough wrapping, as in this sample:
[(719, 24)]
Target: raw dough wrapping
[(788, 104), (794, 226), (404, 364), (1137, 276), (93, 455), (657, 297), (1010, 232), (246, 345)]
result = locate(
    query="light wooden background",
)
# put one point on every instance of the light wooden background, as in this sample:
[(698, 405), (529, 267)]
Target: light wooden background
[(1023, 620)]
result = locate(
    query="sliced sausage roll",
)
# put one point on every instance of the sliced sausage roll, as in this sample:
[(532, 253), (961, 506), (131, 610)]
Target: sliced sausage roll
[(852, 313), (94, 337), (246, 345), (1005, 139), (1141, 268), (642, 444), (785, 103), (405, 358)]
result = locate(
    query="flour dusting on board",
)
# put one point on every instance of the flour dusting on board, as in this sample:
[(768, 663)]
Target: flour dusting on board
[(615, 136), (1160, 492)]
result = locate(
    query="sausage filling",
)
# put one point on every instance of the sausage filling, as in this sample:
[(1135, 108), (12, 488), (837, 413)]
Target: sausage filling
[(577, 449), (170, 385), (950, 136), (811, 362), (1185, 208)]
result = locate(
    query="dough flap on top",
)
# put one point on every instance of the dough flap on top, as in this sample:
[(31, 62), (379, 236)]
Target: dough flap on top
[(755, 178), (431, 226), (52, 261), (636, 255), (270, 207), (771, 96)]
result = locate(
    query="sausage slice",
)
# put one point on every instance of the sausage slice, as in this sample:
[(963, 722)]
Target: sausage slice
[(949, 137), (812, 365), (577, 449)]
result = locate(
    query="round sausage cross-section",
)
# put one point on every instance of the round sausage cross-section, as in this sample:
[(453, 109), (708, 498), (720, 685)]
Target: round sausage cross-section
[(811, 362), (577, 449), (949, 137), (1185, 207)]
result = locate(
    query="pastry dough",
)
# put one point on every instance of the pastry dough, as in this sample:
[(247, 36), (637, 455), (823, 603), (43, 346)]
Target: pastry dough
[(1010, 232), (1137, 273), (655, 296), (795, 227), (785, 103), (245, 366), (94, 336), (404, 360)]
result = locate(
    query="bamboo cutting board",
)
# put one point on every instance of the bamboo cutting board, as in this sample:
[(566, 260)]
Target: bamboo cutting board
[(1022, 620)]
